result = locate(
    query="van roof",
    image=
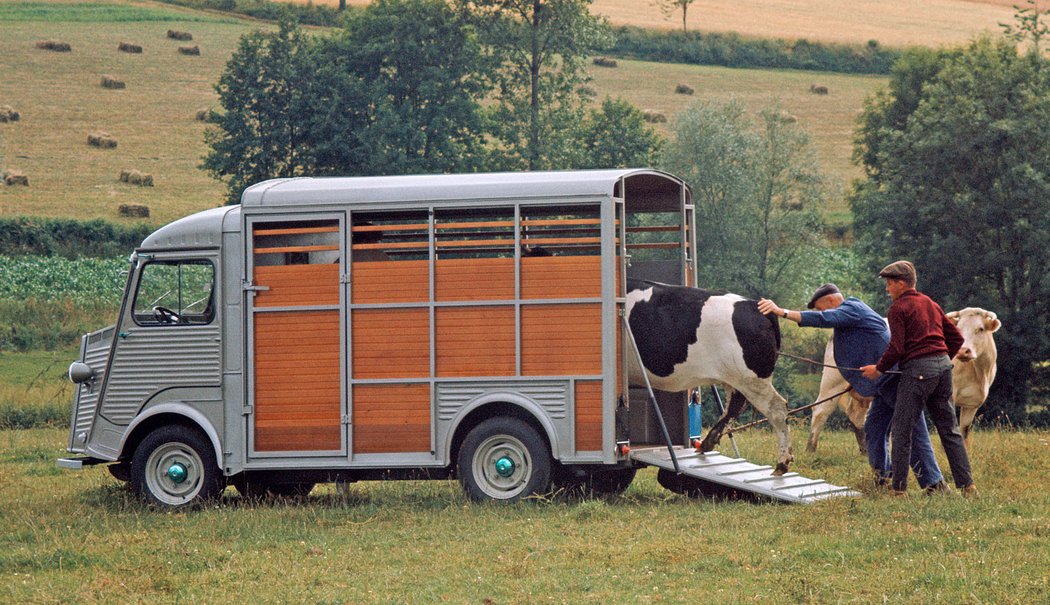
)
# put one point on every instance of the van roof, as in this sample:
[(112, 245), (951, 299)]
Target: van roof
[(452, 187)]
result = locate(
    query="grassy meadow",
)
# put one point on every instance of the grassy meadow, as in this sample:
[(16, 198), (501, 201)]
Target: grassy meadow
[(154, 119), (891, 22), (80, 537)]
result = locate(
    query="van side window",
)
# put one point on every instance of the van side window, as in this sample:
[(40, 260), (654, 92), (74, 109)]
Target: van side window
[(175, 293)]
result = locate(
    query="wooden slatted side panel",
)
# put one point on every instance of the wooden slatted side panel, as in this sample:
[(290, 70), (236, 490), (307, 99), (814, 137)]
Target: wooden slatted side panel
[(390, 343), (561, 339), (588, 420), (297, 380), (380, 282), (297, 285), (391, 418), (547, 277), (475, 341), (474, 279)]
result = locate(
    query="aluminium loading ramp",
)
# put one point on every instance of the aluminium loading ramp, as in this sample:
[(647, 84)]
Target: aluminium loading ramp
[(739, 474)]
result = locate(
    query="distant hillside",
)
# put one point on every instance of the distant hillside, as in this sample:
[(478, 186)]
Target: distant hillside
[(891, 22)]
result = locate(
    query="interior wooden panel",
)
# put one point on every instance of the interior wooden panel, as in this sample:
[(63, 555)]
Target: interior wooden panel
[(561, 339), (390, 418), (390, 343), (546, 277), (588, 421), (297, 381), (474, 279), (475, 341), (297, 285), (378, 282)]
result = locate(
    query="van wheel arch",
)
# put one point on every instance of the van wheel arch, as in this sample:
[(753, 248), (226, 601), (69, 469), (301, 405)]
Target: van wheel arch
[(152, 423)]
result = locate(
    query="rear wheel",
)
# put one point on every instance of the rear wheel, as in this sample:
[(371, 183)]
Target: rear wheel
[(504, 459), (174, 466)]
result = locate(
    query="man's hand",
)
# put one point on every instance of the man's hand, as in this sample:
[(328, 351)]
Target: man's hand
[(766, 306), (870, 372)]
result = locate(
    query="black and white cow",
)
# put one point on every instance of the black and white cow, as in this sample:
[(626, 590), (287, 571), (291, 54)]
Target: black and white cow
[(689, 337)]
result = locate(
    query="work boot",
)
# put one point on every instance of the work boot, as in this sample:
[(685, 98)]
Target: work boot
[(970, 491), (898, 493), (941, 487)]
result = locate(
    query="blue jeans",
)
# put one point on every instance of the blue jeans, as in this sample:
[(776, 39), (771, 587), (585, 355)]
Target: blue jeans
[(877, 426)]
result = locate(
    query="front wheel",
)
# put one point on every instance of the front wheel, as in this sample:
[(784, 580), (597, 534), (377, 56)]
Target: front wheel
[(504, 459), (174, 467)]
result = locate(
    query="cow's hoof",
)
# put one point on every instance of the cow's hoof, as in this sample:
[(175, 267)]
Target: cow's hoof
[(811, 447), (780, 469)]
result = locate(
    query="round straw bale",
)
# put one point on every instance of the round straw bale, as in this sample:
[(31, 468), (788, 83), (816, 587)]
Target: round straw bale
[(55, 45), (12, 178), (654, 117), (177, 35), (190, 50), (8, 114), (129, 48), (133, 210), (111, 82)]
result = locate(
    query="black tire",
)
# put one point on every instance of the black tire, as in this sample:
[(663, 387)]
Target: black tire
[(174, 467), (504, 460), (584, 483), (121, 471), (257, 489)]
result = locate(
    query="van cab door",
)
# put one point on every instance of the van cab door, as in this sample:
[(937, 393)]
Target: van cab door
[(168, 340), (296, 343)]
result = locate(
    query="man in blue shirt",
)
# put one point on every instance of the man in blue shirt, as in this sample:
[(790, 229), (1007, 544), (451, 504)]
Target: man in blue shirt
[(861, 337)]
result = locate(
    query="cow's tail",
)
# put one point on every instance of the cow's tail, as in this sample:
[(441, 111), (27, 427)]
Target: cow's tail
[(774, 321)]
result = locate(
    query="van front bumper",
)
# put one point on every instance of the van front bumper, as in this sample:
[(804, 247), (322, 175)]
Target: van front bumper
[(77, 464)]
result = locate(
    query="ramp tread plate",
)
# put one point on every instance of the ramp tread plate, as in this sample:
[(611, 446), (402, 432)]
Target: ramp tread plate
[(790, 487)]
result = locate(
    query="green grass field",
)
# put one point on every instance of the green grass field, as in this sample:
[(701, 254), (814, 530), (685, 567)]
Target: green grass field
[(61, 101), (80, 537)]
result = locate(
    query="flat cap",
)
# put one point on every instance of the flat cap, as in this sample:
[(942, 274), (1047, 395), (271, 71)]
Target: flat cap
[(902, 270), (821, 292)]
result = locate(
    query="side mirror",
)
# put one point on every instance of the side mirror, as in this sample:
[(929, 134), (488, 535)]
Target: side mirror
[(80, 372)]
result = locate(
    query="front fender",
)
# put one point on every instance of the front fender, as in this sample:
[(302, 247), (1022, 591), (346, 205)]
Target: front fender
[(177, 409)]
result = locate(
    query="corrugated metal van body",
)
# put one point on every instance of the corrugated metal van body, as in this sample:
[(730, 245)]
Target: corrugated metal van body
[(94, 351)]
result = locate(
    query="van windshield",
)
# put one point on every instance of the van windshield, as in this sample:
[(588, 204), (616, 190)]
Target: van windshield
[(175, 293)]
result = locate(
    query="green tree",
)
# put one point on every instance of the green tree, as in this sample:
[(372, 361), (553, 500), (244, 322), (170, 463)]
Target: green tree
[(669, 7), (958, 180), (397, 91), (616, 136), (757, 195), (539, 47), (263, 88)]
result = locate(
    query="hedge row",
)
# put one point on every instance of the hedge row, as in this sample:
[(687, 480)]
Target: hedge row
[(733, 50), (69, 238), (307, 14)]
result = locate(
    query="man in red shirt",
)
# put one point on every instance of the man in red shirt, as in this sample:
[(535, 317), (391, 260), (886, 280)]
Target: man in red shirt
[(923, 342)]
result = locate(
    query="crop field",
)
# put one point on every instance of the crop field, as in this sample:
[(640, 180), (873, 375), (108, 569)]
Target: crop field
[(890, 22), (80, 537), (153, 119)]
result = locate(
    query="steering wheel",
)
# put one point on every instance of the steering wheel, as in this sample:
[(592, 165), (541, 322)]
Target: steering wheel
[(166, 315)]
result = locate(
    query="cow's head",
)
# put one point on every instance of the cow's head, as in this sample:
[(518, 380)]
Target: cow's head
[(976, 326)]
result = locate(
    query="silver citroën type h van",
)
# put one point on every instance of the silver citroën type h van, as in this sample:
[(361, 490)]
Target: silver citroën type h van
[(345, 329)]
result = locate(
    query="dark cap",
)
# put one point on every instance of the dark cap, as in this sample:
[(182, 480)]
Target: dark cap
[(822, 292), (902, 270)]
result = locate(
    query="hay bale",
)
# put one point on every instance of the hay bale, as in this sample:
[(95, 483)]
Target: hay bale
[(54, 45), (684, 89), (12, 178), (604, 62), (818, 90), (8, 114), (209, 115), (133, 210), (127, 47), (134, 177), (124, 174), (190, 50), (102, 139), (177, 35), (786, 118), (654, 117), (111, 82)]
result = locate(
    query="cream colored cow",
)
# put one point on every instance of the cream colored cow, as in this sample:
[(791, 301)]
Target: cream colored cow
[(852, 403), (973, 368)]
